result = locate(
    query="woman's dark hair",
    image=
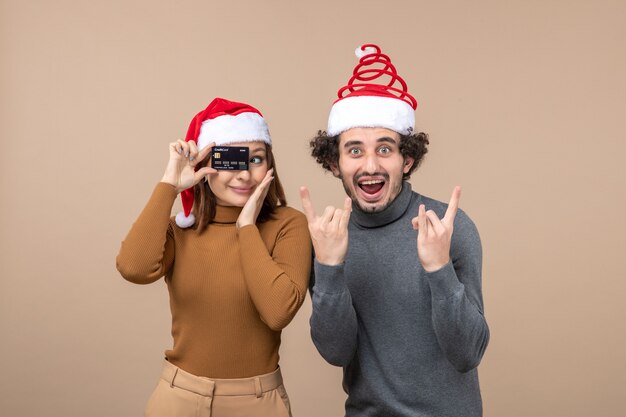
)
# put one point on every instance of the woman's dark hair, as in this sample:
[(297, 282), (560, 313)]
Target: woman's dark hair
[(325, 149), (205, 203)]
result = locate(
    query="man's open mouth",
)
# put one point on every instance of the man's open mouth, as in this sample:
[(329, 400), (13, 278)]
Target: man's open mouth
[(371, 187)]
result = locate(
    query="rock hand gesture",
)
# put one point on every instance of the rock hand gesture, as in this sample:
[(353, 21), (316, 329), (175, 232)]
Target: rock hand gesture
[(435, 235), (329, 232)]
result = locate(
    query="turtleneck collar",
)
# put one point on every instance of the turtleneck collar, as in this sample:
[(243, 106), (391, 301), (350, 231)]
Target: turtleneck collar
[(390, 214), (226, 214)]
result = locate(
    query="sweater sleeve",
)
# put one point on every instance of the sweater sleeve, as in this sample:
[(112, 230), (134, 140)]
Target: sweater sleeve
[(147, 253), (457, 303), (277, 282), (333, 320)]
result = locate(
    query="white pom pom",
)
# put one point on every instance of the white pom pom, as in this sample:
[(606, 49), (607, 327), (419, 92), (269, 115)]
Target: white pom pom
[(185, 221), (361, 53)]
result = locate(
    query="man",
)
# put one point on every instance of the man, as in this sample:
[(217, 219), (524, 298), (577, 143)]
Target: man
[(401, 311)]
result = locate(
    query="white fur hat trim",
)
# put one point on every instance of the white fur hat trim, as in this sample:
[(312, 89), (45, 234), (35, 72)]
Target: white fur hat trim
[(243, 127), (371, 111)]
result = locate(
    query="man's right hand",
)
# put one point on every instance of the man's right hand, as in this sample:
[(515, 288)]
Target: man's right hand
[(329, 232)]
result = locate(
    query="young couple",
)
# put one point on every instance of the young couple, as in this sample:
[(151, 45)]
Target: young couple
[(396, 289)]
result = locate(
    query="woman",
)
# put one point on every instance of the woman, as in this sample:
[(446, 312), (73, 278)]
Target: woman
[(236, 263)]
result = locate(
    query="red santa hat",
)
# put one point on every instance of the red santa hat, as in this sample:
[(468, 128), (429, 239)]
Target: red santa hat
[(222, 122), (376, 96)]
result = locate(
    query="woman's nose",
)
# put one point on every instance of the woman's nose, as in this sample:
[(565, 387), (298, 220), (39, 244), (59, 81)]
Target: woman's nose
[(243, 175)]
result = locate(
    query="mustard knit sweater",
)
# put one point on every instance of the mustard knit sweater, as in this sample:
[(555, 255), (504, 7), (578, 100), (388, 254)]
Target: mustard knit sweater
[(231, 291)]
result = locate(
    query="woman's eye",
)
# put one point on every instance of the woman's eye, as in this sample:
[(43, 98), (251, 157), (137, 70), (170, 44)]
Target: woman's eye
[(355, 151), (256, 160)]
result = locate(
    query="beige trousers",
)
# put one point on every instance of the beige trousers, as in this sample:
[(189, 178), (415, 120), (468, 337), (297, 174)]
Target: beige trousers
[(181, 394)]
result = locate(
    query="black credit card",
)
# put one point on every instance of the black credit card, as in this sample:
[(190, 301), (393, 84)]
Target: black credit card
[(230, 157)]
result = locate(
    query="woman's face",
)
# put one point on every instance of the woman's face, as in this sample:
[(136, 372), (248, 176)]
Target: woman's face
[(233, 188)]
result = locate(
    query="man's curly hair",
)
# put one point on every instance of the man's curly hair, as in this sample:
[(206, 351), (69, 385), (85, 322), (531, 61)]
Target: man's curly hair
[(325, 149)]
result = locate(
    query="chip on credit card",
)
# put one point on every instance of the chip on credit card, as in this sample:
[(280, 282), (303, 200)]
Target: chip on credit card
[(230, 157)]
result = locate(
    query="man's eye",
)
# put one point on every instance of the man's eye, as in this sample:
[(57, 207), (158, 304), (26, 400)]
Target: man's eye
[(256, 160), (384, 149), (355, 151)]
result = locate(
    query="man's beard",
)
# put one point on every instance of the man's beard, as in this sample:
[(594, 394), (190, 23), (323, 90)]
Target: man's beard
[(392, 195)]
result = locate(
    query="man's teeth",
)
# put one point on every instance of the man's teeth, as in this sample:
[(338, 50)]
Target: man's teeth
[(371, 182)]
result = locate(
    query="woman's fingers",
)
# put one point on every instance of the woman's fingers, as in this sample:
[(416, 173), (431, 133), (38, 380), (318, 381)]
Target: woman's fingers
[(203, 153), (190, 150), (269, 176), (203, 172), (178, 147), (252, 208), (193, 150), (263, 188), (183, 148)]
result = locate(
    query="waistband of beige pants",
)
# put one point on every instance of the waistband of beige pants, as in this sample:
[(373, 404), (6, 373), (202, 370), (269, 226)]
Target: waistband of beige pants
[(210, 387)]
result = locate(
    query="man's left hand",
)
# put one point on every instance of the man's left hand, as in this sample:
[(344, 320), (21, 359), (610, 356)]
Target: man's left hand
[(434, 235)]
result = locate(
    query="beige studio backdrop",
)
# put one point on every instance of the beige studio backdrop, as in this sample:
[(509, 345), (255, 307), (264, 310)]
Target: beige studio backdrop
[(523, 101)]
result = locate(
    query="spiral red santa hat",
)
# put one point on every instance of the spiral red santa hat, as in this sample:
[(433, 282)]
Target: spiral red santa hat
[(375, 96)]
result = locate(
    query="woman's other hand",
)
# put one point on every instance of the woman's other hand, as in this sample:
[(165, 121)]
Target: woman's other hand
[(252, 208)]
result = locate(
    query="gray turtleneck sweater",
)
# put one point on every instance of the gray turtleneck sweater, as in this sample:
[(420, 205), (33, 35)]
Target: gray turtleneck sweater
[(409, 341)]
